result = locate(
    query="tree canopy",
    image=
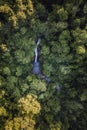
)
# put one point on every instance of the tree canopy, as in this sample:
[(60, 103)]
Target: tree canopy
[(26, 101)]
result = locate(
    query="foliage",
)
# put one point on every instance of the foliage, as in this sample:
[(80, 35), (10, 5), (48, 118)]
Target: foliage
[(19, 11), (26, 101), (28, 106)]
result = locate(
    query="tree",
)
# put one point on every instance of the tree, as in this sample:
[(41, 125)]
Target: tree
[(26, 101)]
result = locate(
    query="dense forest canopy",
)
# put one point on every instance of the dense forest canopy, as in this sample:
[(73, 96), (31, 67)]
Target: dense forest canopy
[(26, 101)]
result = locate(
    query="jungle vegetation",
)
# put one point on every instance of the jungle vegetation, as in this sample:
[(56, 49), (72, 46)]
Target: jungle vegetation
[(26, 101)]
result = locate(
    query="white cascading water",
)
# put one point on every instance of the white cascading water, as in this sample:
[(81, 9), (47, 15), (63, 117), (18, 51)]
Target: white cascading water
[(36, 55), (36, 50)]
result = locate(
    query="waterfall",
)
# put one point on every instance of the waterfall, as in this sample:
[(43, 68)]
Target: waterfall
[(36, 66), (36, 55), (36, 49), (38, 41)]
